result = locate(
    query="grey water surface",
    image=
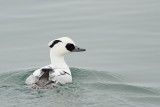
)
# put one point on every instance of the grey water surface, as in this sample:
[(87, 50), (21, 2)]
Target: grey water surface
[(121, 67)]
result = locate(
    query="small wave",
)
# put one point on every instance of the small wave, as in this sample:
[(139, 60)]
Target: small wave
[(88, 87), (95, 79)]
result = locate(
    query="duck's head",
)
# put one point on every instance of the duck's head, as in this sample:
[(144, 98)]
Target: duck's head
[(64, 45)]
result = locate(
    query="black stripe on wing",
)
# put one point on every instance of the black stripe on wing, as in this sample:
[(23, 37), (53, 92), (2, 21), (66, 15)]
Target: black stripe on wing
[(64, 73)]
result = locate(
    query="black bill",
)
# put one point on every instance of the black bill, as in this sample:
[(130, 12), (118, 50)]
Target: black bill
[(77, 49)]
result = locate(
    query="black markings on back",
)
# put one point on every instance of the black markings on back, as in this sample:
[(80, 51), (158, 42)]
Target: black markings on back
[(47, 69), (44, 79), (54, 42), (70, 47)]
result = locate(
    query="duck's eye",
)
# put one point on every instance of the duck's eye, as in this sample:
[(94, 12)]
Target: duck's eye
[(70, 47)]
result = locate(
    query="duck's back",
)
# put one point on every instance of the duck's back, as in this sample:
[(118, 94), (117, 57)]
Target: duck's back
[(47, 77)]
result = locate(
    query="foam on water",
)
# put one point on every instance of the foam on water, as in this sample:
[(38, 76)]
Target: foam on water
[(89, 88)]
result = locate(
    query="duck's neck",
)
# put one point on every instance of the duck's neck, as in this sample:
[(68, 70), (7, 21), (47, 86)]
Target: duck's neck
[(57, 61)]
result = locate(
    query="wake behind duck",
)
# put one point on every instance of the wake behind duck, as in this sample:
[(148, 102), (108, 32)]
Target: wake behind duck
[(58, 71)]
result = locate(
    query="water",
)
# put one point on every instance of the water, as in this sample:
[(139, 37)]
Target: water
[(89, 88), (121, 64)]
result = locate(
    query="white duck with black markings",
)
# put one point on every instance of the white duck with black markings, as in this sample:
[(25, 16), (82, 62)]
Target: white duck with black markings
[(58, 71)]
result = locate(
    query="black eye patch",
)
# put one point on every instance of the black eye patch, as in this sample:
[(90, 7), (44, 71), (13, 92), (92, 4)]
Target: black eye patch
[(55, 42), (70, 47)]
